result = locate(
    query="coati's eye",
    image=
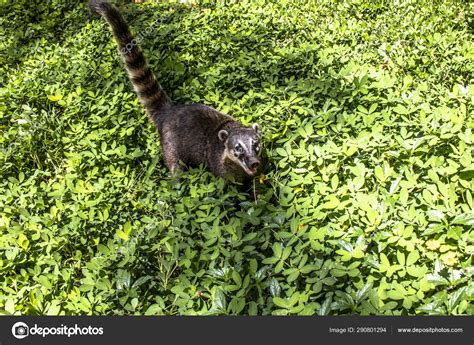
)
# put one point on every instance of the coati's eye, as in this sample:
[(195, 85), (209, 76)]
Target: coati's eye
[(238, 149), (256, 146)]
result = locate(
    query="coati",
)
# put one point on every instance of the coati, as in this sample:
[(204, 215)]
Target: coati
[(193, 134)]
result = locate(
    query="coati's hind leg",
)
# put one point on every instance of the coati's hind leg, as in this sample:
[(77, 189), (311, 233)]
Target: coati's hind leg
[(171, 161), (172, 165), (170, 153)]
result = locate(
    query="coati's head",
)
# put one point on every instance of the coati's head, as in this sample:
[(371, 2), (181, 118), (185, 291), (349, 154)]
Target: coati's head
[(242, 146)]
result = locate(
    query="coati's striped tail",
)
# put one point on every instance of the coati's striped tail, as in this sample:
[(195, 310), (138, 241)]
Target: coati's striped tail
[(146, 86)]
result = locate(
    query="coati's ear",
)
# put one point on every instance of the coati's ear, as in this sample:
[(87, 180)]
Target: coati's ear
[(256, 128), (223, 134)]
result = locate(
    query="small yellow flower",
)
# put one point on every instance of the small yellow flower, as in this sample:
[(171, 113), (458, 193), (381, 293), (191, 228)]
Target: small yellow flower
[(450, 259), (432, 244), (261, 178)]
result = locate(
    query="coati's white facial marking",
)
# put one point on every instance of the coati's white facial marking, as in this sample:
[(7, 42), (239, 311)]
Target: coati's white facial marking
[(242, 147)]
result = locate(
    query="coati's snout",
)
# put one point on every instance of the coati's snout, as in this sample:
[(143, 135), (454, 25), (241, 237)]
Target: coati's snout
[(242, 145)]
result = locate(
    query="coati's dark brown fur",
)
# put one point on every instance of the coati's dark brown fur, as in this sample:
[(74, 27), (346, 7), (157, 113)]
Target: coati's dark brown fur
[(193, 134)]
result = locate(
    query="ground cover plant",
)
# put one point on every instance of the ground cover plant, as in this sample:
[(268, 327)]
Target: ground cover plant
[(364, 204)]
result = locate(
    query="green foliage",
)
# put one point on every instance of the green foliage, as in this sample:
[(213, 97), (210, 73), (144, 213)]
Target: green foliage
[(365, 205)]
